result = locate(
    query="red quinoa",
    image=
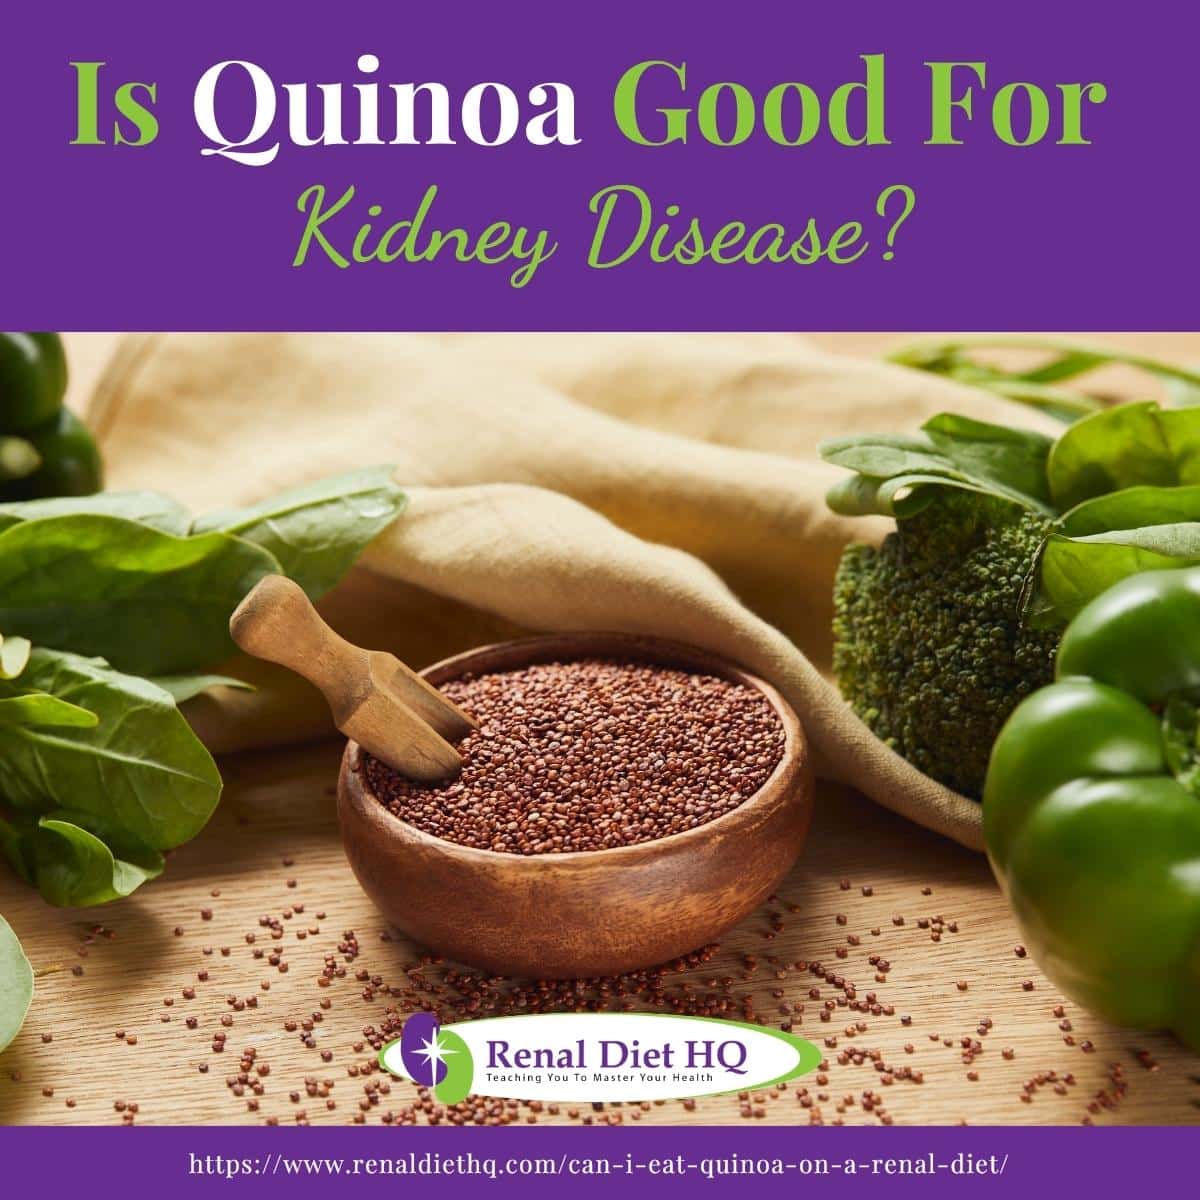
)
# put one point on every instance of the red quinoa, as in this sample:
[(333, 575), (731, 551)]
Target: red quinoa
[(589, 755)]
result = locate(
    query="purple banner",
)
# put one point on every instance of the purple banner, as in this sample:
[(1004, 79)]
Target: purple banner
[(552, 1162), (860, 225)]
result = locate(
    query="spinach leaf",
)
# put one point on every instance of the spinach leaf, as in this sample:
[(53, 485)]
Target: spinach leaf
[(1100, 541), (16, 984), (1128, 446), (901, 496), (885, 454), (15, 844), (147, 601), (317, 531), (129, 577), (1066, 365), (1132, 507), (1074, 570), (74, 867), (1012, 459), (45, 711), (895, 471), (148, 508), (184, 687), (868, 495), (955, 359), (140, 770)]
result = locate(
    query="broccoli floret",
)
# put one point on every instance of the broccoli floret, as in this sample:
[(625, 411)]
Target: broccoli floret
[(929, 648)]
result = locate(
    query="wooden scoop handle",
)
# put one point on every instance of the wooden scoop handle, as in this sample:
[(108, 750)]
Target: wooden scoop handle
[(374, 697)]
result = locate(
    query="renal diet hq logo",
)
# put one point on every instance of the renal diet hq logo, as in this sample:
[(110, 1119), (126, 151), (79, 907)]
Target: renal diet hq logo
[(587, 1057), (433, 1057)]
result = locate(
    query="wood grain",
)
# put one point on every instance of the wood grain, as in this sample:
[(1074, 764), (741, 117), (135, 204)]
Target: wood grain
[(373, 696), (582, 914), (280, 806)]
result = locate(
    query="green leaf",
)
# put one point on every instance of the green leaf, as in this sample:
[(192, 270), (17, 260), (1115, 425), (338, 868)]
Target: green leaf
[(76, 860), (14, 842), (318, 530), (885, 454), (141, 770), (1132, 507), (185, 687), (1066, 365), (37, 708), (895, 470), (1102, 540), (147, 508), (1033, 388), (16, 984), (1074, 571), (76, 868), (867, 495), (1127, 446), (1009, 459), (147, 601), (1068, 360), (901, 496), (14, 654), (129, 577)]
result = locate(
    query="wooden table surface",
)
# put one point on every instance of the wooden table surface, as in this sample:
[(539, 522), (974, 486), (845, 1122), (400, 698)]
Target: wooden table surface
[(272, 854), (276, 826)]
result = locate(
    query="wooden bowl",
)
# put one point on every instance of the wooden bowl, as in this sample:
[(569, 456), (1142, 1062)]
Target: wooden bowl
[(586, 913)]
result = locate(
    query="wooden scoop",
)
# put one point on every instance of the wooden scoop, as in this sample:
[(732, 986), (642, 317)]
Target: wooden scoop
[(375, 698)]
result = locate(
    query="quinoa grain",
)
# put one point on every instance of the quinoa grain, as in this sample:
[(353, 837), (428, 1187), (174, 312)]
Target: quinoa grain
[(590, 755)]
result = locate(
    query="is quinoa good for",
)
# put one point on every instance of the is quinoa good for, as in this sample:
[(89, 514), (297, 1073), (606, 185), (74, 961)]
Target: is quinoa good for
[(589, 755)]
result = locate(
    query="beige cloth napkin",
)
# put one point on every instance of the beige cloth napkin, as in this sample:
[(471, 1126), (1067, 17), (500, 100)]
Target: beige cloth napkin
[(661, 484)]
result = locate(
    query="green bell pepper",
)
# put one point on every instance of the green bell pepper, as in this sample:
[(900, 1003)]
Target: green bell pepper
[(18, 459), (44, 449), (1092, 807), (33, 380), (70, 461)]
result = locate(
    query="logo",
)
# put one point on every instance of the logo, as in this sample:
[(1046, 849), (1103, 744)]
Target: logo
[(434, 1057), (586, 1057)]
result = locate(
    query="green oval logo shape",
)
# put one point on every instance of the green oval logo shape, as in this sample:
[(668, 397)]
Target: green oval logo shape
[(460, 1070), (595, 1056)]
